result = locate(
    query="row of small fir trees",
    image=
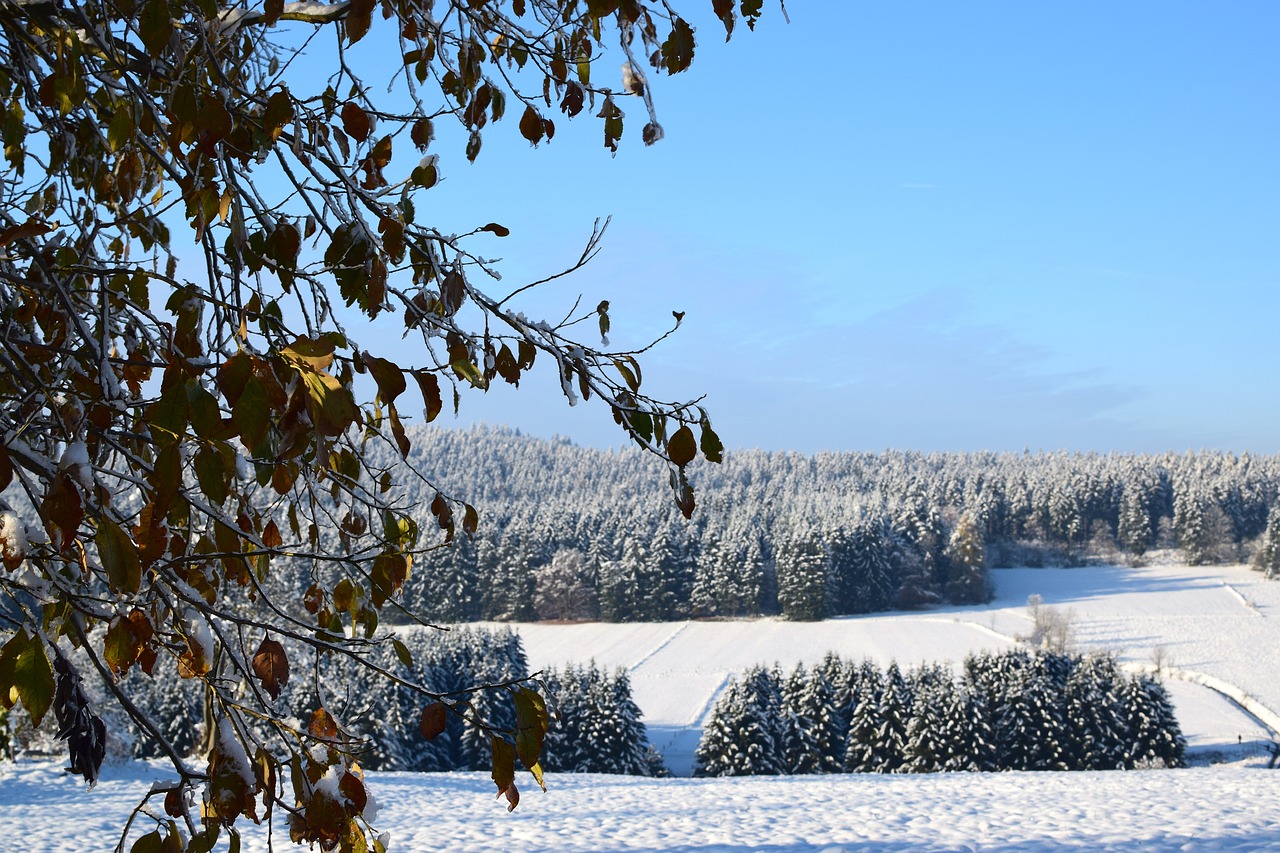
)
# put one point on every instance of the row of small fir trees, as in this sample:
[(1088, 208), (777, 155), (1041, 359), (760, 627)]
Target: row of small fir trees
[(595, 725), (1014, 710)]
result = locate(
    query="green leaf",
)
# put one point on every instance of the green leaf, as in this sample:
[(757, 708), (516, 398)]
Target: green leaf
[(152, 842), (331, 405), (682, 447), (155, 26), (402, 652), (119, 557), (203, 842), (712, 449), (26, 676), (212, 474), (120, 131), (642, 424), (206, 418), (251, 413), (167, 417)]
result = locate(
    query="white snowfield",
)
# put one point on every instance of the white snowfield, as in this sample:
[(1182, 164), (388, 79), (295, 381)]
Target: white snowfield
[(1220, 625)]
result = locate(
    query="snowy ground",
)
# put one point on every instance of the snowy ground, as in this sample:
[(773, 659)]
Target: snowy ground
[(1201, 809), (1215, 624)]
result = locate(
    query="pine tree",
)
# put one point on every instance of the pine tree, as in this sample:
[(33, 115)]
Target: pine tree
[(1268, 559), (1095, 718), (968, 583), (831, 688), (1030, 728), (801, 752), (889, 750), (1155, 738), (744, 733), (803, 578), (1135, 531), (862, 577), (1189, 524), (928, 741), (864, 720)]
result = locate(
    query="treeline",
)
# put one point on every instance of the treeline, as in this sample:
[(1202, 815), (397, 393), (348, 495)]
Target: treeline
[(1009, 711), (595, 724), (569, 532)]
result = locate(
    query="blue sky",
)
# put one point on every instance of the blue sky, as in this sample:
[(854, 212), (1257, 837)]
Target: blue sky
[(936, 226)]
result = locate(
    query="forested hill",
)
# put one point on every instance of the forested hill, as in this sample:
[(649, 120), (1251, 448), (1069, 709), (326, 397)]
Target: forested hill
[(574, 532)]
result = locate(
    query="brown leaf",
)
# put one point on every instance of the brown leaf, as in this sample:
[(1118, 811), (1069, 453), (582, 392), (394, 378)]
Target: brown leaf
[(322, 725), (30, 228), (271, 666), (433, 720), (271, 537), (355, 121), (430, 387), (388, 375), (531, 127), (682, 447)]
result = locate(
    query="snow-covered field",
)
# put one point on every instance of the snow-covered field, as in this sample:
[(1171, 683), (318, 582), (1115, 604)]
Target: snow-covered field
[(1219, 625)]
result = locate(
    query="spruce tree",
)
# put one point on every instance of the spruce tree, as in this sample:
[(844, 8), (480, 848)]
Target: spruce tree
[(801, 705), (744, 733), (1155, 738), (803, 578), (1094, 697), (864, 720), (968, 582), (1190, 526), (889, 749), (1268, 559), (862, 578), (1135, 532)]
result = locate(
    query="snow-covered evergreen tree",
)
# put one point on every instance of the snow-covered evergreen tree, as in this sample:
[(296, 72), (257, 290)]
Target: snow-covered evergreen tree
[(861, 749), (597, 727), (1094, 697), (929, 741), (889, 750), (968, 582), (862, 578), (801, 752), (1155, 738), (1268, 557), (743, 735), (1030, 726), (1190, 526), (803, 568), (1135, 532)]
